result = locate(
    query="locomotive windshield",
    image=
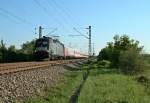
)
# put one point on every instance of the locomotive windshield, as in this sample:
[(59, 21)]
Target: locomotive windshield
[(42, 43)]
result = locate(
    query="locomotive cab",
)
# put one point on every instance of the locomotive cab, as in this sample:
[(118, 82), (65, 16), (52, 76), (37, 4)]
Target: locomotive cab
[(47, 47), (41, 48)]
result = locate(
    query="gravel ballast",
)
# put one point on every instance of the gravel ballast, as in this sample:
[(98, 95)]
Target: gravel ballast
[(20, 85)]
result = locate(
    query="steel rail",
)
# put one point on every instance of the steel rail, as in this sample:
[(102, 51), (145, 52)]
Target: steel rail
[(17, 67)]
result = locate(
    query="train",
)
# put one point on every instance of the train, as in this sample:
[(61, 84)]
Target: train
[(48, 47)]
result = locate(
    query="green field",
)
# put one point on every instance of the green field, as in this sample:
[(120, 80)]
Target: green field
[(109, 86)]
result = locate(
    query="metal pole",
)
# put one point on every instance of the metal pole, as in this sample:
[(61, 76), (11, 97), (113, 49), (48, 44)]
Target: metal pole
[(89, 38), (90, 49), (40, 32), (93, 50)]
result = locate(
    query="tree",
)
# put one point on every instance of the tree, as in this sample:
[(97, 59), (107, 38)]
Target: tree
[(12, 48), (1, 55), (28, 47), (11, 54), (113, 49), (3, 51)]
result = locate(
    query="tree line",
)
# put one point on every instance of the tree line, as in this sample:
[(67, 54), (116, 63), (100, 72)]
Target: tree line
[(12, 54), (125, 54)]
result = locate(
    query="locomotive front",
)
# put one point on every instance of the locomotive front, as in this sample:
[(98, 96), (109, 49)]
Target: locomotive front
[(42, 48)]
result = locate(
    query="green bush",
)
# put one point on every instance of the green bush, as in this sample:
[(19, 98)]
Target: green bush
[(131, 61), (104, 63), (113, 49)]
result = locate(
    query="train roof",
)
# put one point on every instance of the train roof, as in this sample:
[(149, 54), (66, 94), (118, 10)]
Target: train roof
[(56, 40)]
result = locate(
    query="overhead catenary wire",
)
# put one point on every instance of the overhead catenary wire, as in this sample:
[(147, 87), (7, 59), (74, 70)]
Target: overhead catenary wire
[(55, 29), (8, 17), (66, 17), (45, 10), (80, 33), (60, 5), (66, 11), (59, 12), (62, 27), (49, 14), (15, 16)]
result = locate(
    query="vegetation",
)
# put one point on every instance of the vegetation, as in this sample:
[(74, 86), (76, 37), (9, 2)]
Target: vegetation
[(124, 53), (108, 82), (146, 58), (28, 47), (131, 62), (11, 54), (104, 63), (104, 85), (110, 86), (61, 92)]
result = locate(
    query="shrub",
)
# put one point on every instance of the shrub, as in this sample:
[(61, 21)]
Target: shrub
[(130, 61), (104, 63), (113, 49)]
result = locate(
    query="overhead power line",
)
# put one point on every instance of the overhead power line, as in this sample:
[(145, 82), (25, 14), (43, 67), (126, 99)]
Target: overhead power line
[(80, 33), (15, 16), (55, 29), (66, 11), (48, 13), (89, 38), (40, 5), (8, 17), (45, 10), (59, 12)]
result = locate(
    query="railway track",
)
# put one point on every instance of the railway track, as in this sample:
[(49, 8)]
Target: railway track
[(23, 66)]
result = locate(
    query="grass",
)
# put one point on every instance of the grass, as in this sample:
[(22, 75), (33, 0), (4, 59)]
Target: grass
[(103, 85), (61, 92), (109, 86)]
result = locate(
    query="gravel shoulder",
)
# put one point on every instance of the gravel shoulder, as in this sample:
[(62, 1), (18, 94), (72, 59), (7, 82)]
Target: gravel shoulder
[(15, 87)]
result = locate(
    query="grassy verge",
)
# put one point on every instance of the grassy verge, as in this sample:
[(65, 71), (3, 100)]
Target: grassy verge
[(61, 92), (109, 86)]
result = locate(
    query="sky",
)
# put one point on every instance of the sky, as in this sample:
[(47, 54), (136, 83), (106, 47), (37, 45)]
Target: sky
[(19, 18)]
